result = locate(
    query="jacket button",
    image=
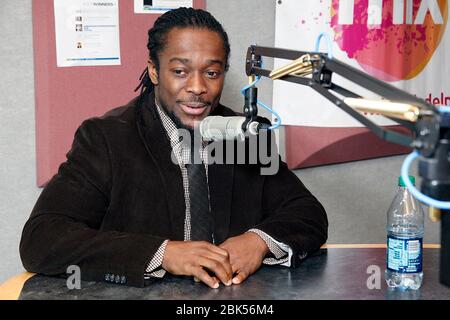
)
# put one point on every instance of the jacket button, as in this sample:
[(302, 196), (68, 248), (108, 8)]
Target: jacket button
[(123, 280), (107, 277), (117, 279)]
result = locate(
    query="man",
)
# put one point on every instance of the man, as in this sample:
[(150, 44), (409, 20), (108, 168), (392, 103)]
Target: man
[(124, 212)]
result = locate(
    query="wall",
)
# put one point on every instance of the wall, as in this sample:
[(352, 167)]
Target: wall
[(356, 195), (18, 191)]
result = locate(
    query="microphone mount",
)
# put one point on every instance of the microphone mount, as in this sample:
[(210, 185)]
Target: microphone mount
[(250, 107), (251, 100)]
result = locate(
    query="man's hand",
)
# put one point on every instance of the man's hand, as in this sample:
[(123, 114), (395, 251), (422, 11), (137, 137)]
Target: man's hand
[(247, 252), (190, 258)]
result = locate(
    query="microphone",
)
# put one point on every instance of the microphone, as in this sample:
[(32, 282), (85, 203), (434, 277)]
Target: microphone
[(403, 111), (301, 67), (227, 128)]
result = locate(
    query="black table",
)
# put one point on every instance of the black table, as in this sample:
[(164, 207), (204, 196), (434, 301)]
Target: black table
[(330, 274)]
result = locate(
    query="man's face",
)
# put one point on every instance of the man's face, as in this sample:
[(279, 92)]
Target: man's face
[(191, 74)]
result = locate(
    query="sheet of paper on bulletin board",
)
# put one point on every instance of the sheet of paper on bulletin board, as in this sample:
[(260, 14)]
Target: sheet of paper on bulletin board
[(65, 96), (404, 43), (87, 34), (159, 6)]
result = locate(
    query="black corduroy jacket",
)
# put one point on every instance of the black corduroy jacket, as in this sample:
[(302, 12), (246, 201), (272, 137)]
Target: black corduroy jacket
[(119, 196)]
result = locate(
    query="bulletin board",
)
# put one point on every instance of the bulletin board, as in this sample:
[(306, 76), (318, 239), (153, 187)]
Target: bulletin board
[(67, 96), (404, 43)]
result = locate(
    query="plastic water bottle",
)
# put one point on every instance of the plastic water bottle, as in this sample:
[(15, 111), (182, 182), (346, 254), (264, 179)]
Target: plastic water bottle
[(405, 226)]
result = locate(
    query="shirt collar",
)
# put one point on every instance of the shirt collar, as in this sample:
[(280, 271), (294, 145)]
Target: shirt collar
[(169, 126), (172, 129)]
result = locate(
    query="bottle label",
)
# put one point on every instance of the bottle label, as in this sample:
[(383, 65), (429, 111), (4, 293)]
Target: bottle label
[(404, 255)]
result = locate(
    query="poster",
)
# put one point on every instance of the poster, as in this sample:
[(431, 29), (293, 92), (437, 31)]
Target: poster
[(87, 32), (402, 42), (159, 6)]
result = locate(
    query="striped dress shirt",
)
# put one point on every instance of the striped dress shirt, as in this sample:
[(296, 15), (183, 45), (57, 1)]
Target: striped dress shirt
[(281, 252)]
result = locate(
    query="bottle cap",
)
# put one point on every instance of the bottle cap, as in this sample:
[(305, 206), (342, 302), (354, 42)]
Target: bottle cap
[(401, 183)]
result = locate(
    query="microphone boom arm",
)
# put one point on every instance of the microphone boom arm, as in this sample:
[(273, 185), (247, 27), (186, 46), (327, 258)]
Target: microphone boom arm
[(430, 129), (321, 82)]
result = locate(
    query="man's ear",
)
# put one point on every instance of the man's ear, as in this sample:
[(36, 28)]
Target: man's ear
[(152, 72)]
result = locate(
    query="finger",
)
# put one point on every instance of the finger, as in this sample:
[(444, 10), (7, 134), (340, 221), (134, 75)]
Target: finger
[(218, 268), (196, 279), (203, 276), (241, 276), (214, 277), (217, 250), (225, 262)]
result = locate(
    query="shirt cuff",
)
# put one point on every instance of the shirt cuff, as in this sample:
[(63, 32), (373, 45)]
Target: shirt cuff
[(282, 252), (153, 269)]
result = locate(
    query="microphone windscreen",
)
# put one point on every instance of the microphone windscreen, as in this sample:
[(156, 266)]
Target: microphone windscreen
[(222, 128)]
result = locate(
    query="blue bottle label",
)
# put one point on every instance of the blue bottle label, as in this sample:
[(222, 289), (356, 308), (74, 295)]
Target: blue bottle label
[(404, 255)]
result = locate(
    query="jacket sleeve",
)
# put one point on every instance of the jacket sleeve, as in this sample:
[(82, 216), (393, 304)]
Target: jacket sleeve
[(292, 215), (64, 226)]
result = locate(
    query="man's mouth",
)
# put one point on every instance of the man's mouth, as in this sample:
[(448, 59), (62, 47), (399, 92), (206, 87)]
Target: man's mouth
[(193, 108)]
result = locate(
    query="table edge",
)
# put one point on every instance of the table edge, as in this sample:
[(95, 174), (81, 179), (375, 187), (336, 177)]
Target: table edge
[(11, 288)]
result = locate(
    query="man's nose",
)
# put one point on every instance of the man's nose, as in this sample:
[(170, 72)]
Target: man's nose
[(196, 84)]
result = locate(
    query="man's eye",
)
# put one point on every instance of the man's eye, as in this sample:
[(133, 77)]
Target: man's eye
[(179, 72), (213, 74)]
